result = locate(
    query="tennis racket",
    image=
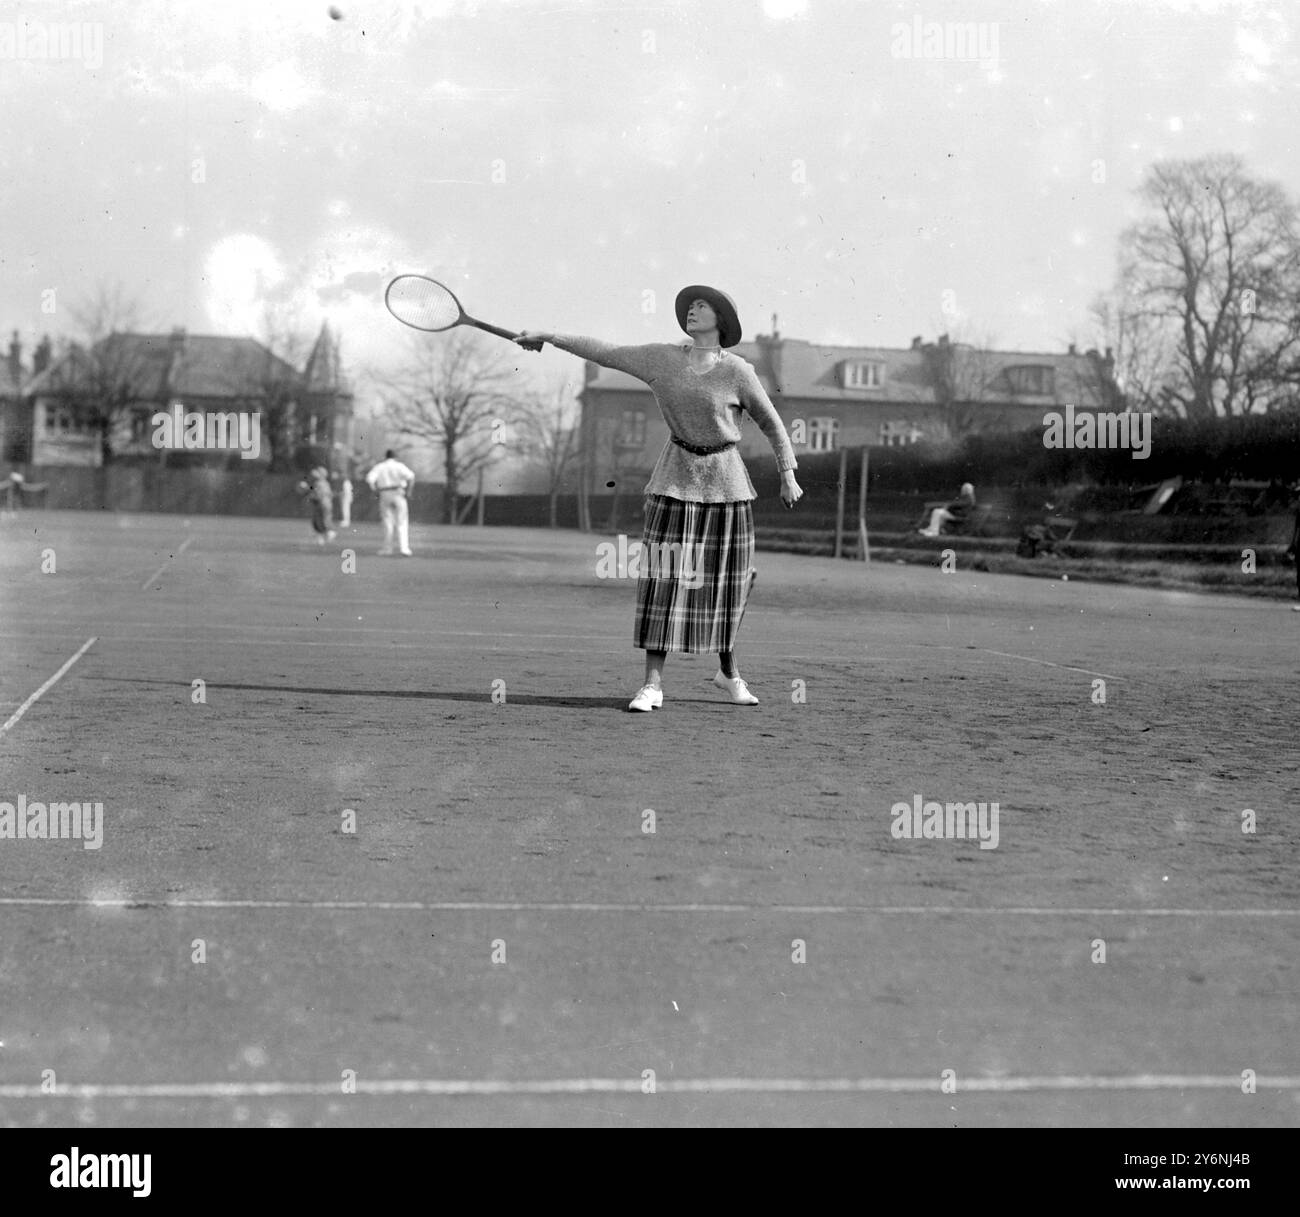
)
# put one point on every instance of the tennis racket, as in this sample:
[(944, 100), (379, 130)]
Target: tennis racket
[(425, 304)]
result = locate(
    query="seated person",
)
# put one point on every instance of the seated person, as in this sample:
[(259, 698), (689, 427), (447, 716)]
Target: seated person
[(957, 512)]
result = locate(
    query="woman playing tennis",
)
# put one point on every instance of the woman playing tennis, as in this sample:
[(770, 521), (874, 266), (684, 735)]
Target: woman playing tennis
[(698, 499)]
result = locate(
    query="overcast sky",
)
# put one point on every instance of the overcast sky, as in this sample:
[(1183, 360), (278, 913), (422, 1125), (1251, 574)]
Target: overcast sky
[(570, 165)]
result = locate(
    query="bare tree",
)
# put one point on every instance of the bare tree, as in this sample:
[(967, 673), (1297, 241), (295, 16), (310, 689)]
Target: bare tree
[(548, 433), (962, 374), (453, 393), (271, 383), (1142, 356), (1217, 267), (104, 373)]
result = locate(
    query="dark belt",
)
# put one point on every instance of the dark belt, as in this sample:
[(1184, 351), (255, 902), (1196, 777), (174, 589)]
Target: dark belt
[(698, 450)]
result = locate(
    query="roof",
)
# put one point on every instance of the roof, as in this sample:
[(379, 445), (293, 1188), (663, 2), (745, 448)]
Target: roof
[(1077, 378), (794, 368), (9, 385), (809, 370), (173, 365), (322, 373)]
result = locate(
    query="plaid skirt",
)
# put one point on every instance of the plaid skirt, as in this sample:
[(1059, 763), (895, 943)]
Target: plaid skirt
[(694, 575)]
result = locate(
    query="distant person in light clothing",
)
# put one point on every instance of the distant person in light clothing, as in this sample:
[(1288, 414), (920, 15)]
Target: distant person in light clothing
[(345, 503), (345, 471), (316, 487), (392, 481)]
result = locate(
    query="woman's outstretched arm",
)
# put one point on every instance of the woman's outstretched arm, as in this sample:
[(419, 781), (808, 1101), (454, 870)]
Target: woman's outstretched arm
[(634, 360)]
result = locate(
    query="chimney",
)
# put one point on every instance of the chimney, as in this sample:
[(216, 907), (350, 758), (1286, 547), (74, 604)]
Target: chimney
[(943, 340), (770, 363), (15, 358), (172, 379), (1073, 349), (916, 343), (41, 356)]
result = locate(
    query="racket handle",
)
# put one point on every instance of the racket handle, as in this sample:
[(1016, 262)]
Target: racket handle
[(493, 329)]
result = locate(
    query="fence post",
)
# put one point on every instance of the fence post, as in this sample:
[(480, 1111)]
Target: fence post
[(839, 507), (584, 472), (864, 551)]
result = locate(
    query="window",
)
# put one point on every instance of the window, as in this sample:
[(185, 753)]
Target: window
[(61, 420), (141, 427), (822, 434), (895, 433), (631, 433), (1032, 380), (864, 375)]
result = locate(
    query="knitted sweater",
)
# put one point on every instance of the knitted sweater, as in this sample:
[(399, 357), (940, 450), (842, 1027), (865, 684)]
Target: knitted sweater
[(703, 409)]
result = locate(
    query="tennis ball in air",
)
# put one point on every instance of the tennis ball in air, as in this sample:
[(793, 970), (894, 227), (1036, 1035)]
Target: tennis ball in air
[(336, 13)]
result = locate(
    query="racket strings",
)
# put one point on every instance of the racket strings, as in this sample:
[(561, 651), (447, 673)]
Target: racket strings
[(423, 303)]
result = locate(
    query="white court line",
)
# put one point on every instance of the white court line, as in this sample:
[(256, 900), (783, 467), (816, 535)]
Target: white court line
[(454, 1087), (491, 906), (1007, 655), (17, 714), (1065, 666), (184, 545)]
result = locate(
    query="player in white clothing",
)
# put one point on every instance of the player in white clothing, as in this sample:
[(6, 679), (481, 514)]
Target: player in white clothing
[(392, 481)]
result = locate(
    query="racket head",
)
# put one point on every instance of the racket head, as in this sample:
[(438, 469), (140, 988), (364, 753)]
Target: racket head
[(423, 303)]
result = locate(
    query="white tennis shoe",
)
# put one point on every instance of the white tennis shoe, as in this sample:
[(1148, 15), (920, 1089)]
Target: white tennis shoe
[(647, 698), (738, 689)]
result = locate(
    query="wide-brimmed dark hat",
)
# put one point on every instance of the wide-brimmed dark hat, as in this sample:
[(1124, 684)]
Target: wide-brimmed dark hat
[(723, 305)]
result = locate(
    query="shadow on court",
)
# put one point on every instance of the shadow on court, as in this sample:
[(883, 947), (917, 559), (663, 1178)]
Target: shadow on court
[(557, 701)]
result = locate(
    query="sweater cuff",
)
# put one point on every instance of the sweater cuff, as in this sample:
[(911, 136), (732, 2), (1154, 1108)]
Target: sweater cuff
[(784, 466), (574, 344)]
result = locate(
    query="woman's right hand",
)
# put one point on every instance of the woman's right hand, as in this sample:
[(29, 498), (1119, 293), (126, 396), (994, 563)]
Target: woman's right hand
[(532, 340), (790, 491)]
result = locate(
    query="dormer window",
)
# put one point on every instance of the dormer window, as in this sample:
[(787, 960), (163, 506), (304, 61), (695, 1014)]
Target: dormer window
[(863, 374), (1032, 380)]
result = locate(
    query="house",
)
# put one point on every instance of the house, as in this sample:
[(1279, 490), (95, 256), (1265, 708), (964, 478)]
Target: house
[(325, 402), (15, 408), (13, 429), (832, 397), (93, 405)]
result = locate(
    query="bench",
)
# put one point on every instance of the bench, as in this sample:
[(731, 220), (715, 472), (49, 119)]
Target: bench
[(972, 525), (1044, 537), (25, 494)]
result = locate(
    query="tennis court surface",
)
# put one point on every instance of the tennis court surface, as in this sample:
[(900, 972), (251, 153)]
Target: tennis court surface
[(389, 863)]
